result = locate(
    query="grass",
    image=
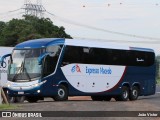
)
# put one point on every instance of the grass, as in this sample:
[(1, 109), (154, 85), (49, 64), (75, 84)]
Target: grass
[(8, 107)]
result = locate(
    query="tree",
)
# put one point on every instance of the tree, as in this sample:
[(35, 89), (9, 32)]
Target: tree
[(31, 27), (2, 25)]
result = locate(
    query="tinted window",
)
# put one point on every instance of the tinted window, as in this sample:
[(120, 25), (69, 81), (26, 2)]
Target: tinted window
[(51, 60), (74, 54)]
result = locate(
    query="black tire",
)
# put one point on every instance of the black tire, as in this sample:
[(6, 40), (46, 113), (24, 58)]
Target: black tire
[(134, 93), (97, 98), (11, 99), (107, 98), (32, 99), (20, 99), (62, 94), (124, 94)]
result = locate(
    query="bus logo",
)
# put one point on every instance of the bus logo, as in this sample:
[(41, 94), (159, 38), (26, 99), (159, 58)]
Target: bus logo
[(75, 68)]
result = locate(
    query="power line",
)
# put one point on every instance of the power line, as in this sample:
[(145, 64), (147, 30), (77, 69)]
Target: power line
[(36, 9), (101, 29), (11, 14), (10, 11)]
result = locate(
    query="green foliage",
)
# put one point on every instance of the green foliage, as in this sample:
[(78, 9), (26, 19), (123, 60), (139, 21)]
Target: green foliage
[(8, 107), (31, 27)]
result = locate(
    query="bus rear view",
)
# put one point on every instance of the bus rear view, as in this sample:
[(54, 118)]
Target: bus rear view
[(59, 68)]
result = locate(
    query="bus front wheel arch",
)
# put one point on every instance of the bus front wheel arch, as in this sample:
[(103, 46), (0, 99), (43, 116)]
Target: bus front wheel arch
[(62, 93)]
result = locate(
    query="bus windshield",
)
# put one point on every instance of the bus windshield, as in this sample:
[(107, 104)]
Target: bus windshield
[(24, 65)]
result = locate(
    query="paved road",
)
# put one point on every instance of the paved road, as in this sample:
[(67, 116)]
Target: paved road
[(147, 103)]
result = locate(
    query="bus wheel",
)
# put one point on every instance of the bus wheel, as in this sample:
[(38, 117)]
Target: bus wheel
[(11, 99), (32, 99), (124, 95), (20, 99), (134, 93), (62, 93), (97, 98)]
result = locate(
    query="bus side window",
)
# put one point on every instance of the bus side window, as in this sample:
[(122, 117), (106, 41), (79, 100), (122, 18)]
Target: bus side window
[(150, 57), (49, 65), (86, 55), (67, 58), (140, 58), (73, 54), (51, 60)]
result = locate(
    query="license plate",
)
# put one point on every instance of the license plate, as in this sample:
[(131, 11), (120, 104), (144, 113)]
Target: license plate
[(20, 93)]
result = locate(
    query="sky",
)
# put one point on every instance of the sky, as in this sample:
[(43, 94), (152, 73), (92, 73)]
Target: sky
[(130, 22)]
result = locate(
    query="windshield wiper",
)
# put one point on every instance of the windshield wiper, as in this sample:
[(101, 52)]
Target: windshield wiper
[(24, 69), (21, 70), (18, 71)]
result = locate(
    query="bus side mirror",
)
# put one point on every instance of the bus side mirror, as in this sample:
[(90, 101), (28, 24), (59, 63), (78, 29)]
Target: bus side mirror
[(41, 57), (3, 57)]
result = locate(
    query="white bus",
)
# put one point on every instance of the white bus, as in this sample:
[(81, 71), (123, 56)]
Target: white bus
[(58, 68)]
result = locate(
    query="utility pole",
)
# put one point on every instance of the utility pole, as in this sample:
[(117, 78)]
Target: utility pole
[(35, 9)]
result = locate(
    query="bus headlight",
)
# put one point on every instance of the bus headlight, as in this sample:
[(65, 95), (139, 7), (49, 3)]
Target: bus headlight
[(8, 85), (35, 85)]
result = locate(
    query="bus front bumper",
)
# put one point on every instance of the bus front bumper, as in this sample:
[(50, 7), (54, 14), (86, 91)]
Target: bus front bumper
[(31, 92), (25, 89)]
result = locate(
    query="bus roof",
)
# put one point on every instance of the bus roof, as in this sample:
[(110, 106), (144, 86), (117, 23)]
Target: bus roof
[(103, 44), (94, 43), (39, 43), (44, 42)]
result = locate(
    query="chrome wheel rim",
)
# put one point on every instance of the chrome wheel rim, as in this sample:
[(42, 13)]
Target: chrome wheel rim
[(61, 93)]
